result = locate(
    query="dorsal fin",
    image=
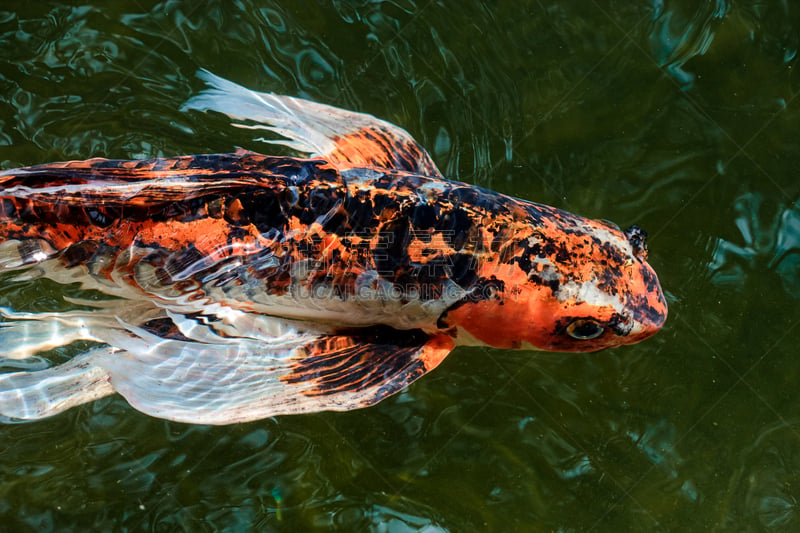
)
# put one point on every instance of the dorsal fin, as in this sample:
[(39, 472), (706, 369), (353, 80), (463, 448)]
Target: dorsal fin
[(344, 138)]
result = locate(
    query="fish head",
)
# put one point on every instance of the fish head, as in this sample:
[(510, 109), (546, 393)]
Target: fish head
[(565, 283)]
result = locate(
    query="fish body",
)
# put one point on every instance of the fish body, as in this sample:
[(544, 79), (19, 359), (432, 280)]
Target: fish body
[(244, 285)]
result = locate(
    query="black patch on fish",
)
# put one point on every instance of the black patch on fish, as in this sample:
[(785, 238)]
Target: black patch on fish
[(563, 255), (484, 200), (102, 217), (644, 312), (78, 254), (391, 252), (215, 162), (552, 284), (610, 251), (464, 269), (621, 325), (373, 355), (482, 289), (455, 225), (179, 261), (384, 201), (650, 280), (323, 200), (165, 329), (8, 209), (637, 237), (361, 214), (423, 216), (260, 208), (236, 233), (608, 280), (336, 223), (541, 248)]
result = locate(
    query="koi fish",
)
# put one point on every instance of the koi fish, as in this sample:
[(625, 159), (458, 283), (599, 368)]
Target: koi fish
[(242, 286)]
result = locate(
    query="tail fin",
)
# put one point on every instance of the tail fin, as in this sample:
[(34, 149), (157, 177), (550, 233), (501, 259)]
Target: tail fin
[(23, 335), (43, 393)]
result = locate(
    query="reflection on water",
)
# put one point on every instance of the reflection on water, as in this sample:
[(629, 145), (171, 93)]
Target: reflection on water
[(770, 247), (678, 35), (658, 443), (764, 494)]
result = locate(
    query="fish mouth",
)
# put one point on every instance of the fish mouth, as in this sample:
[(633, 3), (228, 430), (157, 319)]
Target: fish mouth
[(641, 331)]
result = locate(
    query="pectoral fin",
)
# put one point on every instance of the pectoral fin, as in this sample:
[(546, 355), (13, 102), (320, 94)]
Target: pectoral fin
[(351, 371), (301, 373), (224, 380)]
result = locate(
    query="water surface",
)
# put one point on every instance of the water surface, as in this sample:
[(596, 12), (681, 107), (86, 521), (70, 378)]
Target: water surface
[(679, 116)]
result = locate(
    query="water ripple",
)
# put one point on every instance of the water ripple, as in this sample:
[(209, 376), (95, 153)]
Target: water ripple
[(549, 100), (676, 36), (771, 248), (764, 493)]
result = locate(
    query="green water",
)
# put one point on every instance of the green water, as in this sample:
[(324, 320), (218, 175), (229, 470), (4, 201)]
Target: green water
[(680, 116)]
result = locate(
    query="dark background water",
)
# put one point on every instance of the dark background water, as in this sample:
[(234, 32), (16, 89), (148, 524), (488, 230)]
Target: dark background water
[(680, 116)]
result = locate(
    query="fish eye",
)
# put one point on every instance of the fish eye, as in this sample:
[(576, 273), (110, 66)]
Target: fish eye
[(584, 329)]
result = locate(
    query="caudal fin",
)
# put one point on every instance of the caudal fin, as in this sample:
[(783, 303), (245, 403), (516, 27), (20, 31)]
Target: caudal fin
[(43, 393)]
